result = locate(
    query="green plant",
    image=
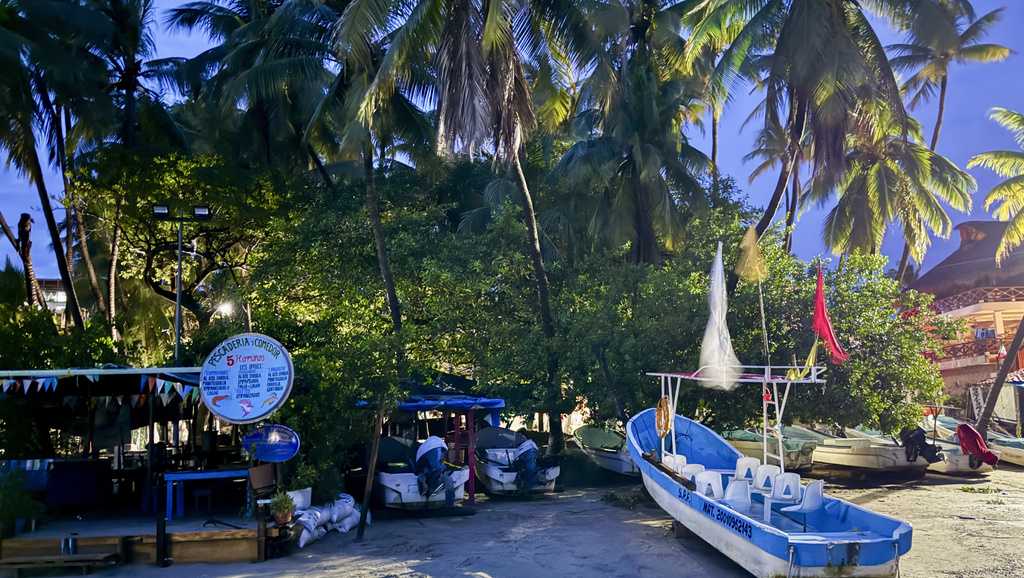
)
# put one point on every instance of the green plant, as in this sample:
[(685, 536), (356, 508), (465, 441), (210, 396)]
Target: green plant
[(282, 504), (15, 501)]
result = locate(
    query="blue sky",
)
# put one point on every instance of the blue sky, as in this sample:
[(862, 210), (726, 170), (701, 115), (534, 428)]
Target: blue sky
[(966, 131)]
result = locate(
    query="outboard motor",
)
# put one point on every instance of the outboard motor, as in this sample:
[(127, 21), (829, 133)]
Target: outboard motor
[(525, 464), (915, 443), (431, 472)]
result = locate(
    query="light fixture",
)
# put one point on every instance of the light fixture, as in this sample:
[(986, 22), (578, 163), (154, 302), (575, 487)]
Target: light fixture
[(201, 213), (226, 308), (161, 212)]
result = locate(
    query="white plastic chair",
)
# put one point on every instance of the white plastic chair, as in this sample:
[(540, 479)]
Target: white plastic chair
[(709, 485), (813, 500), (674, 462), (764, 479), (746, 468), (787, 488), (737, 495), (690, 471)]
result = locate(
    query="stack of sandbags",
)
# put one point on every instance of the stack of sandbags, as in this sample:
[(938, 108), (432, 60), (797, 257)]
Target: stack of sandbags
[(341, 515)]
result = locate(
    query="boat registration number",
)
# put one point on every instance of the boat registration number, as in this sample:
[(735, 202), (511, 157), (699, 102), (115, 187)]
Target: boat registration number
[(729, 520)]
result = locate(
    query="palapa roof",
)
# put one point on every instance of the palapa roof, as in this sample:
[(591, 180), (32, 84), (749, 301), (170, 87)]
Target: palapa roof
[(973, 264)]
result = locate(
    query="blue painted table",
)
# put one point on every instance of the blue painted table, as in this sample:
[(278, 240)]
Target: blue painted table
[(182, 477)]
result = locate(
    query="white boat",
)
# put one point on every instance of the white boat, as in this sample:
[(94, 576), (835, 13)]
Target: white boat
[(857, 453), (954, 461), (1009, 449), (397, 483), (508, 462), (797, 454), (606, 448), (835, 538)]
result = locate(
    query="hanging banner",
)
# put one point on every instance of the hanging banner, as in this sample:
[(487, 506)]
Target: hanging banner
[(246, 378)]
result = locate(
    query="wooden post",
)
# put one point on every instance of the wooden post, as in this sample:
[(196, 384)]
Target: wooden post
[(471, 453), (371, 466)]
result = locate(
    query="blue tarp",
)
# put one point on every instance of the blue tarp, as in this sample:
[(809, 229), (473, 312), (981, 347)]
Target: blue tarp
[(449, 402)]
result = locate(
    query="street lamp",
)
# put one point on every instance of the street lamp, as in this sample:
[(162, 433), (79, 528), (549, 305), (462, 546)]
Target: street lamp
[(163, 212)]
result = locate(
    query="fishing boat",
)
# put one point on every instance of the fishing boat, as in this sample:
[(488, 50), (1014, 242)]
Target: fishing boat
[(401, 463), (953, 460), (797, 454), (606, 448), (1010, 449), (818, 535), (756, 513), (861, 453), (508, 462)]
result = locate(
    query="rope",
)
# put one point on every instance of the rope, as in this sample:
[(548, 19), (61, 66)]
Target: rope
[(662, 417), (792, 555)]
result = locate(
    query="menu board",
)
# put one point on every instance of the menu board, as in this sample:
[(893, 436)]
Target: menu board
[(246, 378)]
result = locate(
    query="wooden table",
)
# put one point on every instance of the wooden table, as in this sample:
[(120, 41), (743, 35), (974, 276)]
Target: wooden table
[(183, 476)]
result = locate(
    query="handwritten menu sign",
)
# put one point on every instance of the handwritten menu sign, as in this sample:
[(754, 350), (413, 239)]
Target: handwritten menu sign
[(246, 378)]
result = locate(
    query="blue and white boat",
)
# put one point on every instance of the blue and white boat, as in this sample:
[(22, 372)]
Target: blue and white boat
[(836, 538)]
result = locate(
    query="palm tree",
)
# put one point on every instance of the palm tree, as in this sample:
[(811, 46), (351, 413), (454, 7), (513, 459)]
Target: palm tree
[(941, 33), (890, 176), (1009, 196), (32, 51), (824, 59), (638, 102)]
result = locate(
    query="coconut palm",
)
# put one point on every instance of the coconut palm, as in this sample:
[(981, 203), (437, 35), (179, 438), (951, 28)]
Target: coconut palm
[(825, 59), (889, 177), (941, 33), (1008, 199)]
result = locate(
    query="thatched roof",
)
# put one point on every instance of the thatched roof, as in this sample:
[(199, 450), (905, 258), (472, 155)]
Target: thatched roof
[(973, 264)]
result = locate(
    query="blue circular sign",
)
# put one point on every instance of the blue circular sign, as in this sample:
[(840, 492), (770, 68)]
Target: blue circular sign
[(272, 443)]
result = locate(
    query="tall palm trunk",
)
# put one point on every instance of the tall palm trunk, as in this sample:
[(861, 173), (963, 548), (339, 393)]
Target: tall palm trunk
[(795, 136), (645, 245), (715, 116), (112, 267), (36, 171), (395, 307), (22, 246), (793, 203), (1004, 370), (901, 270), (557, 440)]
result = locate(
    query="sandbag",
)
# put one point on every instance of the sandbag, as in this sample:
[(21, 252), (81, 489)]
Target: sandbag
[(306, 537), (342, 507), (301, 498)]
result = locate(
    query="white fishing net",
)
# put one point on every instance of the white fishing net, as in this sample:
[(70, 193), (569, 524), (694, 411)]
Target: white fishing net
[(718, 363)]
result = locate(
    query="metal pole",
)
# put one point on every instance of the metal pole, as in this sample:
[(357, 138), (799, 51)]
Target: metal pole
[(177, 302)]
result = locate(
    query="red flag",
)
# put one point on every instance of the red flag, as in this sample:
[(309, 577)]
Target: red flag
[(822, 326)]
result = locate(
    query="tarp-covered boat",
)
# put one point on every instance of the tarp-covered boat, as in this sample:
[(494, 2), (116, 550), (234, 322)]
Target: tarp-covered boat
[(606, 448), (508, 462), (797, 454), (412, 476), (953, 460), (831, 538)]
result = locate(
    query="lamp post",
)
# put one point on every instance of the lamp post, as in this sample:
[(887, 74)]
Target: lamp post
[(165, 213)]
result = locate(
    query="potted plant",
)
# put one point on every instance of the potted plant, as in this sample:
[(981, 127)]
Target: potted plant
[(282, 507)]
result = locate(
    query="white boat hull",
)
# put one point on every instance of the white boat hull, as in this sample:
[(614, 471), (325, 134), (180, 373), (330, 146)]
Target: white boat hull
[(753, 559), (866, 457), (496, 480), (618, 462), (1008, 454), (401, 491), (795, 460), (955, 462)]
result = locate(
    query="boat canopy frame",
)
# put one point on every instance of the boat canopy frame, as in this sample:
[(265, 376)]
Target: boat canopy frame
[(770, 380)]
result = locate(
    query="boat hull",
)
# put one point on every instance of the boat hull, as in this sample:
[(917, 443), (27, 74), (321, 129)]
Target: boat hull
[(500, 480), (838, 539), (795, 460), (618, 462), (401, 491), (879, 458)]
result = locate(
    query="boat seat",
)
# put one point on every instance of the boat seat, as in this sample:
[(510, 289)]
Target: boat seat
[(787, 488), (813, 499), (764, 479), (709, 485), (746, 468), (690, 471), (737, 496), (674, 462)]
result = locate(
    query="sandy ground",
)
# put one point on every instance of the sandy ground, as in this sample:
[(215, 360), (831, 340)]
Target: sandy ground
[(962, 527)]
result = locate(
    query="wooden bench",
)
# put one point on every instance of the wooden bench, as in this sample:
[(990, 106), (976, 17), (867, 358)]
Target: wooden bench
[(84, 561)]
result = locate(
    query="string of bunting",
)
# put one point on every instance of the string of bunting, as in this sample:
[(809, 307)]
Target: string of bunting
[(164, 390)]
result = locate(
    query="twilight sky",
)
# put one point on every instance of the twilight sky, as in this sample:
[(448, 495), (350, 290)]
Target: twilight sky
[(973, 89)]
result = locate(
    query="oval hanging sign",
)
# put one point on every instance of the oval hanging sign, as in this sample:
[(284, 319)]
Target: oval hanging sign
[(246, 378), (272, 443)]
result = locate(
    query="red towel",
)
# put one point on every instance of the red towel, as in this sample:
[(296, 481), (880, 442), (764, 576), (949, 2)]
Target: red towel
[(822, 326), (973, 444)]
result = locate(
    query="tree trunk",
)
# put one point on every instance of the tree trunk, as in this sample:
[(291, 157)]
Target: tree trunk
[(556, 441), (794, 204), (23, 246), (90, 269), (112, 269), (715, 116), (36, 170), (645, 245), (901, 269), (942, 110), (1004, 370), (795, 134)]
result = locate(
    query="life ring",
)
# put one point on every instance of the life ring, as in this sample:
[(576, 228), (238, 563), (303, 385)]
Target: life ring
[(662, 417)]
